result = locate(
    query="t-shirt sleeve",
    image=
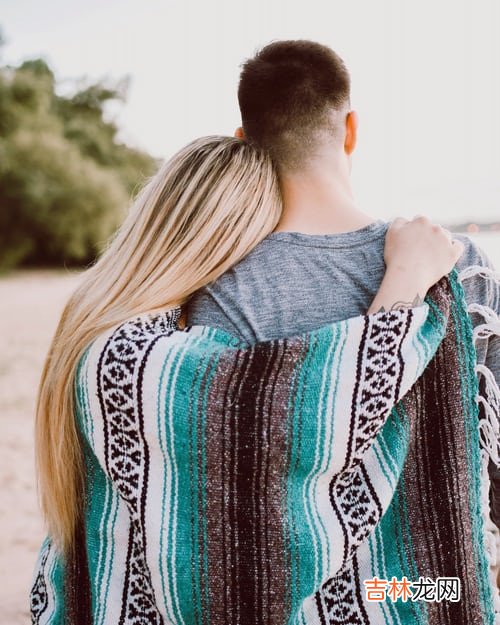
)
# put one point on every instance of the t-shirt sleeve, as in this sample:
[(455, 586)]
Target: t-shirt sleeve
[(204, 308)]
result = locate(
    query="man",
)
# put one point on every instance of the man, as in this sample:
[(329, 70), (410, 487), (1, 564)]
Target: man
[(325, 260)]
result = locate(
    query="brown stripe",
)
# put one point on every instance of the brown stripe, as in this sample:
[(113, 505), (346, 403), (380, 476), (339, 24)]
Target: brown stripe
[(251, 524), (246, 463), (435, 471), (203, 618)]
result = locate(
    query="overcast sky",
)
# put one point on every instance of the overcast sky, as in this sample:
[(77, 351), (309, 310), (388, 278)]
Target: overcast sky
[(425, 81)]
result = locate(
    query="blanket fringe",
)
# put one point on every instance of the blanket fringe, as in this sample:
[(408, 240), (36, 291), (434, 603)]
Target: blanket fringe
[(489, 425)]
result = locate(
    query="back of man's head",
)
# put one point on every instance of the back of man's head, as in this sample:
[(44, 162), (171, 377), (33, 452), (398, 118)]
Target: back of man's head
[(294, 96)]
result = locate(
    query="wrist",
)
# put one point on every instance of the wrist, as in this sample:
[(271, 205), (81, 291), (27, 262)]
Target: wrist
[(407, 280), (399, 289)]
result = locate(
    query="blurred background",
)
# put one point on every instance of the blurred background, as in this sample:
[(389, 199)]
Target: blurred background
[(94, 95)]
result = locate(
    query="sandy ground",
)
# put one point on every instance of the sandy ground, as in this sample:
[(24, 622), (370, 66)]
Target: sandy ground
[(30, 305)]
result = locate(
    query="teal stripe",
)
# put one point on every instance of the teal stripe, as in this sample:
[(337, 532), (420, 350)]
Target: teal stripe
[(102, 482), (409, 610), (470, 387), (205, 611), (422, 341), (432, 331), (186, 408), (323, 452), (394, 438), (90, 420), (418, 343), (91, 519), (302, 561), (173, 505), (98, 501), (188, 580), (382, 466), (473, 469), (82, 412), (372, 540), (292, 524), (55, 578), (336, 376), (387, 455), (162, 411), (116, 502), (316, 545), (410, 564), (407, 565), (194, 490), (383, 574)]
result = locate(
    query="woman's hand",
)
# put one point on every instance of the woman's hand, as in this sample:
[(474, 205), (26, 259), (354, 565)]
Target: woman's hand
[(417, 254), (422, 251)]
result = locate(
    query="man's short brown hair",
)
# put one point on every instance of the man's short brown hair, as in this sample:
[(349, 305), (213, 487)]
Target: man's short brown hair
[(288, 95)]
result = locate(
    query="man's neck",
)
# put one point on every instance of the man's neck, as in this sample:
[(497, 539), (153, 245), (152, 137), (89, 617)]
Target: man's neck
[(318, 202)]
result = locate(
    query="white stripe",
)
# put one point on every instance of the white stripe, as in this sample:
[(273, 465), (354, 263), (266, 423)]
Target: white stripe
[(323, 453)]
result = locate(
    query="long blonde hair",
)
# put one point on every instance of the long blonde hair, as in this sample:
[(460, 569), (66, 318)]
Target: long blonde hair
[(204, 210)]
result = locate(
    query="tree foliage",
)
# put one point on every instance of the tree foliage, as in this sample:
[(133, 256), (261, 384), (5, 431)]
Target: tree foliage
[(65, 179)]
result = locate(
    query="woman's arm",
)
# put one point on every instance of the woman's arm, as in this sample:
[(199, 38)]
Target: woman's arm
[(417, 254)]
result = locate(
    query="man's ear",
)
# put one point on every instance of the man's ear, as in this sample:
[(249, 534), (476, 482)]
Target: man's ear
[(239, 133), (351, 135)]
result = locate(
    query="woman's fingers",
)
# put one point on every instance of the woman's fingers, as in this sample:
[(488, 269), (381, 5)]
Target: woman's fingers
[(399, 221), (458, 248), (447, 233), (420, 249)]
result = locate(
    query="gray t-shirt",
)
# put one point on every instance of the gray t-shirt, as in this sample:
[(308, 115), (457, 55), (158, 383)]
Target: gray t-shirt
[(292, 282)]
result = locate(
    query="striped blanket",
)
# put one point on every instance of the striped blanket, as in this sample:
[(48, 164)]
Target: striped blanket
[(328, 478)]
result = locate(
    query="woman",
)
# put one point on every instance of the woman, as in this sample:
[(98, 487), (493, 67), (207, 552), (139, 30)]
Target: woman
[(206, 208), (203, 211)]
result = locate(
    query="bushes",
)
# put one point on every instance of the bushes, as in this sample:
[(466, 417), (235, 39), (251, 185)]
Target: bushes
[(65, 181)]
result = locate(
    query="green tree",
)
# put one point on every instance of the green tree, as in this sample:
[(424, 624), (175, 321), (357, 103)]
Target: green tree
[(65, 179)]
